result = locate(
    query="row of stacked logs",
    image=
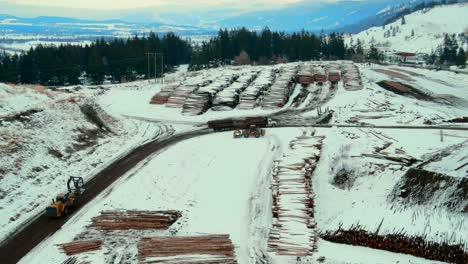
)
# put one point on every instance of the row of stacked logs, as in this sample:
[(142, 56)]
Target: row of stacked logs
[(215, 249), (293, 231), (136, 220), (399, 243), (78, 247)]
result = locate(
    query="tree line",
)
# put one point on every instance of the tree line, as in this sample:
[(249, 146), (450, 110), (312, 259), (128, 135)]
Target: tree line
[(265, 47), (117, 59)]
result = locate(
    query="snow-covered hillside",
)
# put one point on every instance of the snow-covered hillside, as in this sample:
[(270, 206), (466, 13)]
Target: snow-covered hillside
[(429, 27), (47, 136)]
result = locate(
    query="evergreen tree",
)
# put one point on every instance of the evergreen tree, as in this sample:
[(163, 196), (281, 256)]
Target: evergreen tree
[(374, 54), (461, 58), (403, 20)]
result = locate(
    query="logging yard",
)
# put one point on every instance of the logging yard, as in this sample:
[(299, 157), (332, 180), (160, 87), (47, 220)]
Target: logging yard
[(308, 162)]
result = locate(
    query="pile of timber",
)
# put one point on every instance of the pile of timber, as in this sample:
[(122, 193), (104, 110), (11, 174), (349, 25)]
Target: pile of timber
[(293, 231), (179, 95), (78, 247), (163, 96), (320, 76), (187, 249), (280, 91), (305, 75), (199, 101), (250, 97), (228, 98), (196, 104), (399, 243), (333, 71), (351, 76), (136, 220)]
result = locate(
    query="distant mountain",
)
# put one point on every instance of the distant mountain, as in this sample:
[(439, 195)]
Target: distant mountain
[(349, 16), (66, 27)]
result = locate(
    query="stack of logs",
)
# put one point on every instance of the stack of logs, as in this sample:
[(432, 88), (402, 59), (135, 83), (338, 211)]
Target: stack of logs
[(212, 249), (78, 247), (137, 220), (351, 77), (399, 243), (163, 96), (293, 231)]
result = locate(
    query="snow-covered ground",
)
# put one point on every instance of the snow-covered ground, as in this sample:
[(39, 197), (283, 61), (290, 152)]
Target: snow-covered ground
[(429, 27), (214, 189), (374, 105), (39, 151), (222, 185)]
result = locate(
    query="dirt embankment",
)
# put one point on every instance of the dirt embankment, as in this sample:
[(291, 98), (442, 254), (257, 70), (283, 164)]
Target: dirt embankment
[(422, 187)]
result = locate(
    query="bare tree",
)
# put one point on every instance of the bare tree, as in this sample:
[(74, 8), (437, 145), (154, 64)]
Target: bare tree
[(242, 59)]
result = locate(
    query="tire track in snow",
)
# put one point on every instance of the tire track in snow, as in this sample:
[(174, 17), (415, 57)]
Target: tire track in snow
[(259, 221)]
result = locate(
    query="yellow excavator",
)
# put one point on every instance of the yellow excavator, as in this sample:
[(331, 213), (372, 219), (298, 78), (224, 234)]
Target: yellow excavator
[(64, 202)]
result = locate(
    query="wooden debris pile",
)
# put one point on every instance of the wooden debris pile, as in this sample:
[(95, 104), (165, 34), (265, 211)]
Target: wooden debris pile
[(187, 249), (399, 243), (136, 220), (78, 247), (404, 89), (293, 232), (394, 74)]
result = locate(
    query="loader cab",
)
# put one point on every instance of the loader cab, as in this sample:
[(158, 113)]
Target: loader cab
[(62, 198)]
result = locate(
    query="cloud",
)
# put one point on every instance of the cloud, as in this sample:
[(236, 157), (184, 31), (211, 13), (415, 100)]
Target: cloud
[(161, 4)]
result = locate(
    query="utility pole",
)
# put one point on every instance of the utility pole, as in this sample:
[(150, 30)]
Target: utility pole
[(155, 57)]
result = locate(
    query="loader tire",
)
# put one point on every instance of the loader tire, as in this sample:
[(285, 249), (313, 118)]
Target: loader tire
[(65, 210)]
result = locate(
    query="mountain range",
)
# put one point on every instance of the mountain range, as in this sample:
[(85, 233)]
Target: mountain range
[(346, 16)]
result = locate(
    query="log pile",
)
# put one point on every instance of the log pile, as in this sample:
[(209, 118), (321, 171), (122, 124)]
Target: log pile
[(78, 247), (179, 95), (136, 220), (293, 232), (333, 71), (280, 91), (163, 96), (319, 75), (399, 243), (249, 99), (196, 249), (228, 98), (305, 76), (199, 101), (351, 77)]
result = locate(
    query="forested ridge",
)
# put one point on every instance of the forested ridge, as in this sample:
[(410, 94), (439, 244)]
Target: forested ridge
[(120, 60)]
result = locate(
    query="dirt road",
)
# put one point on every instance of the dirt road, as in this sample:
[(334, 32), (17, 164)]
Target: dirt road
[(24, 240)]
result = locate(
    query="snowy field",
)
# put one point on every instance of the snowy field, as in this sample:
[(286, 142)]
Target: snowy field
[(212, 188), (222, 185)]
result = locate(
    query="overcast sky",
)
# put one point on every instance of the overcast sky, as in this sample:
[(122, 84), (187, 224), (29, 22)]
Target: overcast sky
[(164, 4)]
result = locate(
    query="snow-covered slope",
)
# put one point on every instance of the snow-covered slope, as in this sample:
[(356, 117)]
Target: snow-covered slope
[(429, 27), (45, 137)]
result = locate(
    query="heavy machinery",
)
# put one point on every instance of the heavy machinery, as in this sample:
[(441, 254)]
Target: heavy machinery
[(252, 131), (64, 202)]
